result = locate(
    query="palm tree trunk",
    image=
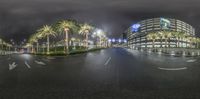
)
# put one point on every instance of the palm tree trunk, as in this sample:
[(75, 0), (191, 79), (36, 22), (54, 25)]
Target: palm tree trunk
[(2, 45), (47, 44), (55, 47), (182, 42), (86, 43), (165, 42), (37, 47), (43, 49), (67, 41), (153, 43), (161, 41), (32, 48), (169, 42), (100, 41), (178, 41)]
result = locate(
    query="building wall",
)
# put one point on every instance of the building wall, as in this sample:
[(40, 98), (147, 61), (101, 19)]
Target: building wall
[(138, 38)]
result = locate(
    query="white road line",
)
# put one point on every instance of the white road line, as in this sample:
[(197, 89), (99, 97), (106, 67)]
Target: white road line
[(40, 62), (172, 68), (106, 63), (27, 64), (190, 61)]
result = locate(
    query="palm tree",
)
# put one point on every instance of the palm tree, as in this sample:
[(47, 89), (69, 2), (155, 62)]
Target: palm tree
[(187, 39), (85, 29), (167, 35), (153, 37), (182, 38), (34, 39), (38, 36), (176, 36), (104, 41), (47, 31), (101, 35), (180, 35), (193, 40), (198, 41), (161, 36), (1, 44), (67, 26)]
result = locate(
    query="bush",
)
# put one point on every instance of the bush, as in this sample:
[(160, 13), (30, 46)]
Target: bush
[(60, 51)]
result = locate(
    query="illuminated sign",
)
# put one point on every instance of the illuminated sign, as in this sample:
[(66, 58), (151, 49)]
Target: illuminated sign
[(164, 23), (135, 27)]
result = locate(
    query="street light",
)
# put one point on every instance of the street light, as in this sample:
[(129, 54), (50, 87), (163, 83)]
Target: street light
[(113, 40), (119, 40), (109, 40), (99, 32), (125, 41)]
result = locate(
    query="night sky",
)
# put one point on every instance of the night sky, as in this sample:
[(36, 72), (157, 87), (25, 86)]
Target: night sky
[(20, 18)]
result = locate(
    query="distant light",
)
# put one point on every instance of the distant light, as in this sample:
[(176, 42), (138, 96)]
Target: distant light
[(113, 40), (119, 40), (94, 33), (99, 32), (135, 27), (109, 40), (125, 40)]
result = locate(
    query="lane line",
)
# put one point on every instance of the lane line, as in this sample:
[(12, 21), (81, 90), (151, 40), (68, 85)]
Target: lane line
[(40, 62), (191, 61), (106, 63), (172, 68), (27, 64)]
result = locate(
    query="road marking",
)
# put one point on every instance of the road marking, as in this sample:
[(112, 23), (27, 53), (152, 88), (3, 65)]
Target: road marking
[(44, 59), (190, 61), (51, 58), (106, 63), (27, 64), (12, 66), (172, 68), (40, 63)]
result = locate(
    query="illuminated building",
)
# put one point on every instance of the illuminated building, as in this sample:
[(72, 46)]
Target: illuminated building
[(167, 33)]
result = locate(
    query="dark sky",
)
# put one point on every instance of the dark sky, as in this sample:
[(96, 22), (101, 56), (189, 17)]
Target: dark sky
[(20, 18)]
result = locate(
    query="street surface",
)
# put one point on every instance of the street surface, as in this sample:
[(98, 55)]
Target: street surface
[(113, 73)]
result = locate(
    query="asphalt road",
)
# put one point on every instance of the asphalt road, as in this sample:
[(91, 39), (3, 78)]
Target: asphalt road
[(114, 73)]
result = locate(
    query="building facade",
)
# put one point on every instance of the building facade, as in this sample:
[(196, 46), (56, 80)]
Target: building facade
[(164, 33)]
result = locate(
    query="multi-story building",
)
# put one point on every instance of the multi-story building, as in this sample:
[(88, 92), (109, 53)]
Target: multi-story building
[(137, 34)]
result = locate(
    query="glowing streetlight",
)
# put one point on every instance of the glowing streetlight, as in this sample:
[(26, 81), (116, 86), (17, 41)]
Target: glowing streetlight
[(109, 40), (113, 40), (125, 41), (119, 40)]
